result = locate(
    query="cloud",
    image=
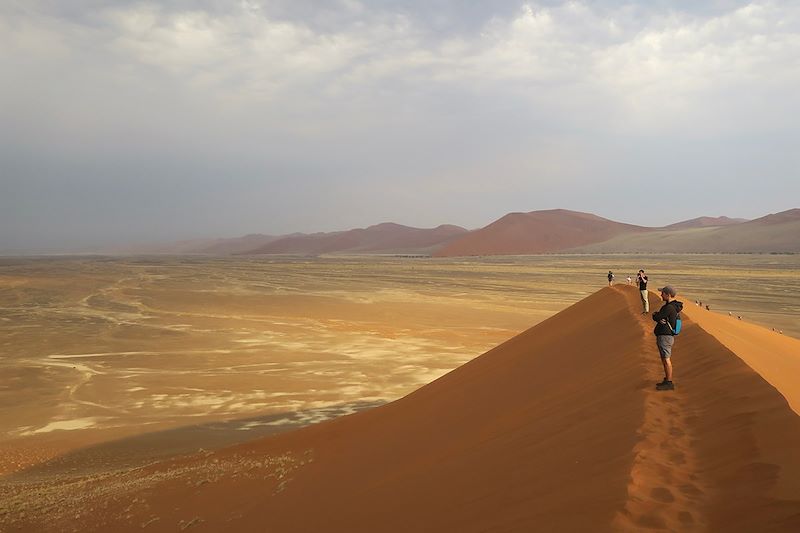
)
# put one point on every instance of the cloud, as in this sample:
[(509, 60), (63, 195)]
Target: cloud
[(483, 103)]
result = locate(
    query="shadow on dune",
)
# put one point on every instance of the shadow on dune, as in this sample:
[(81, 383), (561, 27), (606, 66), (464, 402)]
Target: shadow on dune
[(140, 450)]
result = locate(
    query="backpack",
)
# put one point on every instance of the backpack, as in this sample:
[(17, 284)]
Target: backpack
[(677, 325)]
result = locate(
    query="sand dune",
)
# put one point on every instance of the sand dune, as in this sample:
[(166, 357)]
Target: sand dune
[(237, 245), (536, 232), (779, 232), (705, 222), (387, 238), (557, 429)]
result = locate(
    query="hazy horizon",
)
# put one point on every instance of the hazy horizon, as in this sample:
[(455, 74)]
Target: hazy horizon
[(136, 122)]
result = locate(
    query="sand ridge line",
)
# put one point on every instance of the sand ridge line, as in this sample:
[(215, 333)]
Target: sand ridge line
[(663, 491)]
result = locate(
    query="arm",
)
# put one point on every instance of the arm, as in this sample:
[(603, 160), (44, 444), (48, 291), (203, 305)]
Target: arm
[(666, 313)]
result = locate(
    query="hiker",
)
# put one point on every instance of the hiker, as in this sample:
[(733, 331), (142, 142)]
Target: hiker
[(641, 279), (629, 280), (610, 278), (667, 326)]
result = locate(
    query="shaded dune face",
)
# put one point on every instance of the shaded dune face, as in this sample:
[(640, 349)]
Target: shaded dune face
[(746, 438), (557, 429)]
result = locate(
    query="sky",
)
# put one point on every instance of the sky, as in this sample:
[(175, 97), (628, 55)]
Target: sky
[(130, 121)]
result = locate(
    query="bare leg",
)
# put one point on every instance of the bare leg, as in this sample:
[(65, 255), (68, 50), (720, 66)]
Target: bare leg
[(667, 368)]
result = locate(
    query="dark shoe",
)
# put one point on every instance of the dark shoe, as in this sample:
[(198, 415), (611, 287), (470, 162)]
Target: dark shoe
[(662, 382), (666, 385)]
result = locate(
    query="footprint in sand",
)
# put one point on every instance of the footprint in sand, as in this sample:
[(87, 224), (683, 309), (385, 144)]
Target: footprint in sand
[(651, 521), (676, 432), (690, 490), (678, 458), (662, 494)]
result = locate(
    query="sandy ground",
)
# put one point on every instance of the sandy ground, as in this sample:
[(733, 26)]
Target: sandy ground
[(559, 428), (93, 350)]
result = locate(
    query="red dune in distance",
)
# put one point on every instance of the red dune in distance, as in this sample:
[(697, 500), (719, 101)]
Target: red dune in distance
[(705, 222), (238, 245), (777, 232), (388, 237), (558, 429), (537, 232)]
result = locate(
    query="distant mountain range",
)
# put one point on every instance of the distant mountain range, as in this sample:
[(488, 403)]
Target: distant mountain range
[(536, 232), (386, 237), (779, 233)]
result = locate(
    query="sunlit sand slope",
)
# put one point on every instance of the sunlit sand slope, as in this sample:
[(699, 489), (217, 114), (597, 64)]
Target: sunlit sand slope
[(558, 429)]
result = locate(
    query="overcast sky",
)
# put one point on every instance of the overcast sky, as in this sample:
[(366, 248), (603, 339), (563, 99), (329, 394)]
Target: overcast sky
[(149, 121)]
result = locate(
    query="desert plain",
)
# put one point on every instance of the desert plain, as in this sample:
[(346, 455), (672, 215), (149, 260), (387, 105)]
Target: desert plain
[(94, 349), (112, 363)]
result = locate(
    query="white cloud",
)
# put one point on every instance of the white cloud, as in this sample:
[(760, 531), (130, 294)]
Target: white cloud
[(358, 93)]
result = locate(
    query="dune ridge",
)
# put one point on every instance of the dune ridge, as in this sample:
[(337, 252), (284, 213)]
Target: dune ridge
[(559, 428)]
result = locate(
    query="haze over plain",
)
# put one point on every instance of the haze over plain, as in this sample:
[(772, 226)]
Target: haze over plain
[(130, 120)]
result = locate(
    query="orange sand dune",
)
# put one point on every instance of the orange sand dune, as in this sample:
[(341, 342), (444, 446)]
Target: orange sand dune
[(558, 429), (774, 356), (537, 232)]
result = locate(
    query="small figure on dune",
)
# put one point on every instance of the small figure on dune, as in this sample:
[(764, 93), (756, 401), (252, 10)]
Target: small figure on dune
[(629, 280), (730, 314), (739, 317), (610, 278), (708, 307), (668, 324), (641, 280)]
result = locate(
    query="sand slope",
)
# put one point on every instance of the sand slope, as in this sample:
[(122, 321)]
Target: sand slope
[(774, 356), (558, 429)]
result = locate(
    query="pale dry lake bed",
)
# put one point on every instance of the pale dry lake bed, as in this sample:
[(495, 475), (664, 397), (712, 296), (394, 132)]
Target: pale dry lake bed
[(125, 350)]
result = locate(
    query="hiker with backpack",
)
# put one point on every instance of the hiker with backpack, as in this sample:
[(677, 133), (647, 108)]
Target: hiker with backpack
[(610, 278), (668, 324)]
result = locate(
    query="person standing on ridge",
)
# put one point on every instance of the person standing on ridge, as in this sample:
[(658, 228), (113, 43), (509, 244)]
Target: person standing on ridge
[(666, 320), (641, 279), (610, 278)]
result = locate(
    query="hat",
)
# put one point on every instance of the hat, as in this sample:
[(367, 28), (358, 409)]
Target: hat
[(669, 289)]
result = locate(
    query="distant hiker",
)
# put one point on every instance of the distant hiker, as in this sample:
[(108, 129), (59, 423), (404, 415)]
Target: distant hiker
[(708, 307), (629, 280), (641, 279), (610, 278), (668, 320)]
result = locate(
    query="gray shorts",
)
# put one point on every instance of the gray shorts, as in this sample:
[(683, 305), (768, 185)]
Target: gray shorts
[(664, 343)]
